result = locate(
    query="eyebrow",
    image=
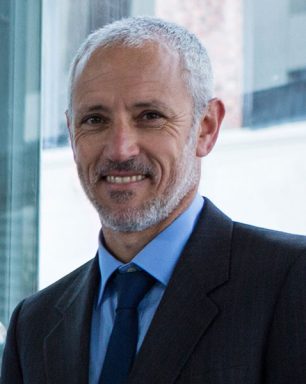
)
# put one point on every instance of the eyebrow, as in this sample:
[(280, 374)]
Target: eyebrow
[(142, 104), (93, 108), (150, 104)]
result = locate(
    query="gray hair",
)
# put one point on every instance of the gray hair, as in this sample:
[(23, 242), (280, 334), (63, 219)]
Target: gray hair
[(135, 32)]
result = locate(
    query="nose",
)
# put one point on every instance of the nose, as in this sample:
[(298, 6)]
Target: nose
[(122, 142)]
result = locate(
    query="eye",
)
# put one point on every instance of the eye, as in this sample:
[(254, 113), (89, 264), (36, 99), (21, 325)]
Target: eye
[(151, 119), (151, 115), (94, 120)]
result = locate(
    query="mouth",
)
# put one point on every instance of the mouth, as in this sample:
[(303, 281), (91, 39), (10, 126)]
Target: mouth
[(124, 179)]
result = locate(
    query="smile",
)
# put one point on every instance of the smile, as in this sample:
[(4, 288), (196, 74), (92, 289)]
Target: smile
[(124, 179)]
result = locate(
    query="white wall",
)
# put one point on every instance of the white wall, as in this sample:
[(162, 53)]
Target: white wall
[(258, 177)]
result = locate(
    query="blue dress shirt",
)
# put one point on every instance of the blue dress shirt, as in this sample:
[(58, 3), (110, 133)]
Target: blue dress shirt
[(158, 258)]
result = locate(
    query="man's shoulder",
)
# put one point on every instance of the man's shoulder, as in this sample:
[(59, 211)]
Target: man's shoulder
[(256, 247), (268, 250), (63, 289), (254, 235), (262, 238)]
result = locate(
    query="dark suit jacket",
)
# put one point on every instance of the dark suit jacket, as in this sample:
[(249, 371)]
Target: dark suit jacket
[(234, 313)]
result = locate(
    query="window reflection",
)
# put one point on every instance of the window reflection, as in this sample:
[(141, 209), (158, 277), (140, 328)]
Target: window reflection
[(19, 153)]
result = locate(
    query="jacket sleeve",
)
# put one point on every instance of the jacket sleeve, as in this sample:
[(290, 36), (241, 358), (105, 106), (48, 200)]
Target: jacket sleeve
[(11, 370), (286, 348)]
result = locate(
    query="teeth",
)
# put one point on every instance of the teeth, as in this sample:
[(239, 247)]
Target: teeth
[(124, 179)]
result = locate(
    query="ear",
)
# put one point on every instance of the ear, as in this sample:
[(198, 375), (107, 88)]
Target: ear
[(210, 127), (70, 130)]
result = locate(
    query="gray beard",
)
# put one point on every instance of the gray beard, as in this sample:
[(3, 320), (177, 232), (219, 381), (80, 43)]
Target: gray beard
[(184, 179)]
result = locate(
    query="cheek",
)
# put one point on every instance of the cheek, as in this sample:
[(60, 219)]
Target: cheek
[(86, 165), (85, 152), (168, 158)]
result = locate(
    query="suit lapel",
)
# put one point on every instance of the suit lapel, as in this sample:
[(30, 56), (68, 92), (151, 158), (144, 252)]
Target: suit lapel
[(186, 311), (66, 348)]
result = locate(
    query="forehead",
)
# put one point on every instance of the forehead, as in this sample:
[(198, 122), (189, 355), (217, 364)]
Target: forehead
[(148, 68), (144, 55)]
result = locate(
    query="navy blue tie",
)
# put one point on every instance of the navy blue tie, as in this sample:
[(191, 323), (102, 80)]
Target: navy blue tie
[(121, 349)]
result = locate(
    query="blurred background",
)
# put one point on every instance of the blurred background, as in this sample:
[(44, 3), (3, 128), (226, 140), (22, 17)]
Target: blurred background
[(256, 173)]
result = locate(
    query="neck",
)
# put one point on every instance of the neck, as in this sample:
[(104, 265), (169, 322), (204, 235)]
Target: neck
[(126, 245)]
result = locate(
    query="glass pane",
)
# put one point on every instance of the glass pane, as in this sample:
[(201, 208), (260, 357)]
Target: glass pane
[(19, 152), (274, 63)]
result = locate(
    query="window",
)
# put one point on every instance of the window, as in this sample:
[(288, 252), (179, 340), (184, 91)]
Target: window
[(19, 153), (274, 52)]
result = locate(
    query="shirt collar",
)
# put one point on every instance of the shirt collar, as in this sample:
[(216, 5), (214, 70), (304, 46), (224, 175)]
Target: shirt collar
[(160, 255)]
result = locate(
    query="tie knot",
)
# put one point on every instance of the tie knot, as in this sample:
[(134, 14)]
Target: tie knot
[(132, 287)]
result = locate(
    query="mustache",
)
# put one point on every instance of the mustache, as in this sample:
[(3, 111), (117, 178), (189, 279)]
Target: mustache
[(131, 165)]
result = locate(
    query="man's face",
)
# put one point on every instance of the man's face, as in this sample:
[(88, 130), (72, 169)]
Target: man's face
[(132, 137)]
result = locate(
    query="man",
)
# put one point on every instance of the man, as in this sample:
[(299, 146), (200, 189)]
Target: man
[(224, 302)]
